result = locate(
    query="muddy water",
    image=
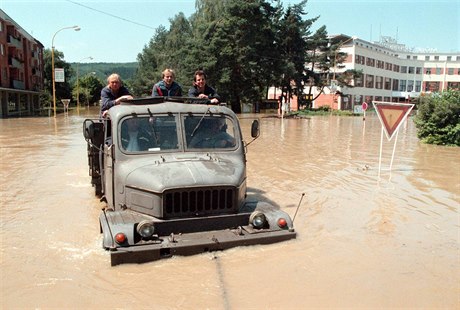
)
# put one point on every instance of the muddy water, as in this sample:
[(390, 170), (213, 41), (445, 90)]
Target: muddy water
[(365, 239)]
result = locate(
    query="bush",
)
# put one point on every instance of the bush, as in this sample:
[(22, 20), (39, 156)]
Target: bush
[(437, 118)]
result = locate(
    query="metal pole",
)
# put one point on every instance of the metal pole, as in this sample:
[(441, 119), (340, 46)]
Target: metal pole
[(76, 28), (52, 74), (78, 90)]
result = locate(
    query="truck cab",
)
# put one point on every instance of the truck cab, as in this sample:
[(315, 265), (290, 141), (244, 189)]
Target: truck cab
[(172, 172)]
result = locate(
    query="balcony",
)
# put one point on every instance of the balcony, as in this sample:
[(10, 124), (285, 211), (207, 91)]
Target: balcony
[(18, 84), (15, 63), (12, 41)]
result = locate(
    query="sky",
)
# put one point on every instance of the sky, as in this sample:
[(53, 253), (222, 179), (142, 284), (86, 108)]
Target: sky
[(118, 30)]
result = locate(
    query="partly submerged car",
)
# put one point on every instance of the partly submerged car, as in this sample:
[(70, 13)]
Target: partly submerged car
[(172, 172)]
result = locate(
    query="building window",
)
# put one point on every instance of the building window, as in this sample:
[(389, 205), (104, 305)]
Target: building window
[(427, 58), (427, 70), (395, 85), (410, 85), (436, 57), (378, 82), (453, 85), (403, 69), (418, 70), (408, 57), (370, 62), (449, 58), (432, 86), (369, 81), (402, 85), (411, 70), (359, 81), (418, 86), (360, 60), (396, 68), (387, 83), (438, 71), (450, 71)]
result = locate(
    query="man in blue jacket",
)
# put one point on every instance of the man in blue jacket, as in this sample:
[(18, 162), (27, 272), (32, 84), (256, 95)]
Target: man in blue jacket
[(202, 90), (113, 93)]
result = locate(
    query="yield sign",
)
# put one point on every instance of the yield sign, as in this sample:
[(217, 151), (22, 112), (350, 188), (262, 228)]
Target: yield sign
[(391, 115)]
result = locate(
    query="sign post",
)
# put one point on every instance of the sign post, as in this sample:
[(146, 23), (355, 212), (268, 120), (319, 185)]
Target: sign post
[(66, 102), (364, 107), (391, 117)]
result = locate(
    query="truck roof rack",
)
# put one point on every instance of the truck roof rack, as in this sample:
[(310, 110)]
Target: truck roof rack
[(156, 100)]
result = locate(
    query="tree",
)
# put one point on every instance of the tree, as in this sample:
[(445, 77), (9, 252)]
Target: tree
[(244, 49), (89, 89), (438, 118), (245, 46), (63, 89)]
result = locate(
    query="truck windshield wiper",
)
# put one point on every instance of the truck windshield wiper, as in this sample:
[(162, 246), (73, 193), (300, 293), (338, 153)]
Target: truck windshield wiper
[(152, 124), (199, 123)]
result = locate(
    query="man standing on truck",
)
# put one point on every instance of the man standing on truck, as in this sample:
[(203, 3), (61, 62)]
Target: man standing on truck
[(202, 90), (113, 93), (167, 87)]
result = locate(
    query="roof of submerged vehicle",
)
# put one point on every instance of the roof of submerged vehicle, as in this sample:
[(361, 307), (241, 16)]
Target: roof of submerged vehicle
[(166, 105)]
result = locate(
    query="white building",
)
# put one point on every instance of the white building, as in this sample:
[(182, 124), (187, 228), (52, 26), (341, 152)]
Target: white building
[(391, 72)]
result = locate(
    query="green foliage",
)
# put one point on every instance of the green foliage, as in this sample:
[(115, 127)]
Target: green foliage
[(245, 46), (87, 89), (103, 69), (437, 118)]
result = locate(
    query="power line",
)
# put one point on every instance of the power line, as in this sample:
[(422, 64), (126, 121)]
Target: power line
[(111, 15)]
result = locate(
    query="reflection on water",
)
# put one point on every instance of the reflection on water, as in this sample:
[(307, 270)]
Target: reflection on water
[(363, 240)]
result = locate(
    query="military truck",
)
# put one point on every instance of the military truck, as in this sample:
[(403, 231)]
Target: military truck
[(172, 175)]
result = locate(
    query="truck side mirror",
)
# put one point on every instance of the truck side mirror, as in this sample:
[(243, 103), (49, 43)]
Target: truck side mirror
[(255, 129), (88, 129)]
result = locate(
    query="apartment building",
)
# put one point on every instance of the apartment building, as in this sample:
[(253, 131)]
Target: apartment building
[(391, 72), (21, 70)]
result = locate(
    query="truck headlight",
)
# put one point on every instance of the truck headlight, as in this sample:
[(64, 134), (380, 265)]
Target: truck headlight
[(145, 229), (257, 219)]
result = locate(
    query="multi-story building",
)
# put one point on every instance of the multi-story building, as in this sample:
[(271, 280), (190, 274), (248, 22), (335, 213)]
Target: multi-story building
[(21, 70), (390, 72)]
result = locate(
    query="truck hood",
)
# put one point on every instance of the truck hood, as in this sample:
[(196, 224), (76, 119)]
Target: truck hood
[(158, 177)]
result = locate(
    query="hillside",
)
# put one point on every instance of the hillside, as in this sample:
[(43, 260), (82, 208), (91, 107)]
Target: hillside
[(104, 69)]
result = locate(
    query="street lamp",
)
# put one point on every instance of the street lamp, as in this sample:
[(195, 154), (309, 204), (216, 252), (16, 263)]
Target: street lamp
[(76, 28), (78, 89)]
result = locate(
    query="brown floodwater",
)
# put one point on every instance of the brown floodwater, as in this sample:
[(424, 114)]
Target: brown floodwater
[(366, 239)]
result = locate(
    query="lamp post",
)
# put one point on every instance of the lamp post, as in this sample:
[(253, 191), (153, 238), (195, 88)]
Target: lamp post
[(76, 28), (78, 89)]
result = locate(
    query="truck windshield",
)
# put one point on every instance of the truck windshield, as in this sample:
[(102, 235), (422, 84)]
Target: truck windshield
[(209, 132), (144, 133)]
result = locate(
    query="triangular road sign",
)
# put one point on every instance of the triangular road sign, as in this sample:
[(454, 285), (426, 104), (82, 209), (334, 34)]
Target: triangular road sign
[(391, 115)]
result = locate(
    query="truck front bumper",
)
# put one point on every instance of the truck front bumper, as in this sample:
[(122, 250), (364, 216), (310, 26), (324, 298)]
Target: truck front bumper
[(195, 243)]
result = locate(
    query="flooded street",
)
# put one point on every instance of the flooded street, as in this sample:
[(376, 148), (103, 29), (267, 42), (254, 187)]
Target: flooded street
[(364, 240)]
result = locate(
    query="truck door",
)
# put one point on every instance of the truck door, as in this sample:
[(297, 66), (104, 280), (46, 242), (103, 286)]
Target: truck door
[(107, 164)]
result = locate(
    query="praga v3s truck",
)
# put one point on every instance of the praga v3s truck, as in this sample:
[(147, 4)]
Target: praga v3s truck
[(172, 172)]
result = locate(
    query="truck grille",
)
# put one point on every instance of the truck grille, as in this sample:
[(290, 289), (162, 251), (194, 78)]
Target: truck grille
[(199, 202)]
